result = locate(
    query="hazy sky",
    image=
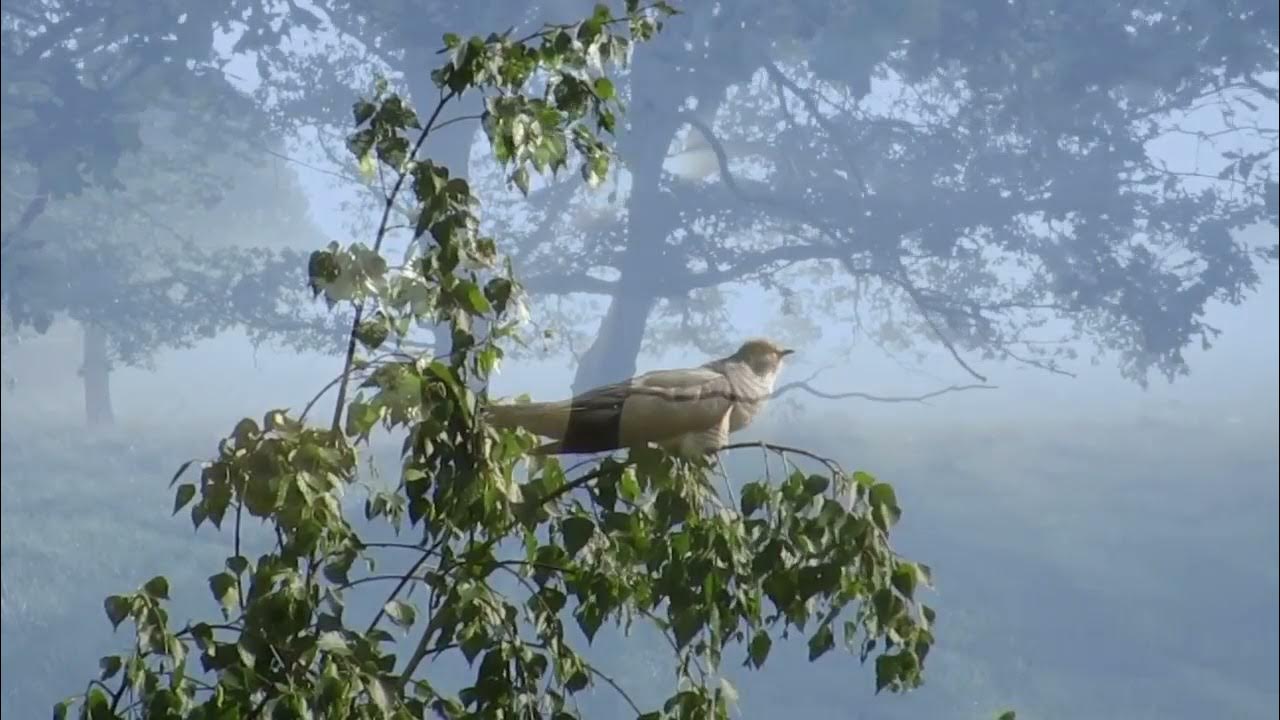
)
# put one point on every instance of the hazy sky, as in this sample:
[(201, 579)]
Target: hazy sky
[(1240, 372), (1238, 375), (1234, 384)]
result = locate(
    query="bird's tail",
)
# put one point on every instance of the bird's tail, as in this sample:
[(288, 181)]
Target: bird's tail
[(547, 419)]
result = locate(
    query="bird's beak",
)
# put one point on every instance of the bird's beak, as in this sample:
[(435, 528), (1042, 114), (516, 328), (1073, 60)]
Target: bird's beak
[(785, 352)]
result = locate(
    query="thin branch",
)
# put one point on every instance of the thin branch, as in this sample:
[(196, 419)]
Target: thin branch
[(404, 580), (1048, 366), (385, 577), (309, 166), (377, 246), (785, 450), (239, 583), (811, 106), (29, 215), (460, 118), (900, 279), (803, 385), (614, 684), (806, 386)]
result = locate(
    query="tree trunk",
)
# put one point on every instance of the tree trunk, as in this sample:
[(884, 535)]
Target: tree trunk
[(96, 372), (654, 120), (612, 355)]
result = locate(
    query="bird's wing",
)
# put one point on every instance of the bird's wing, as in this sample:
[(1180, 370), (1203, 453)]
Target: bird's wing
[(652, 407), (648, 408)]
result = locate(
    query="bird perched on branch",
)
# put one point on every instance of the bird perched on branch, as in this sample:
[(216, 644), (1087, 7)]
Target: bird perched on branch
[(689, 411)]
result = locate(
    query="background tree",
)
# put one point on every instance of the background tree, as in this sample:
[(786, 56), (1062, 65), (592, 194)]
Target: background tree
[(975, 175), (1000, 122), (103, 108), (622, 542), (972, 175)]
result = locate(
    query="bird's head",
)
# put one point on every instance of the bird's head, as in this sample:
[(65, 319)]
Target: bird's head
[(763, 356)]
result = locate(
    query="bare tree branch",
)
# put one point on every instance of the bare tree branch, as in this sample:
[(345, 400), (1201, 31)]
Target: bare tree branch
[(844, 258), (806, 386), (33, 210), (1048, 366), (913, 292)]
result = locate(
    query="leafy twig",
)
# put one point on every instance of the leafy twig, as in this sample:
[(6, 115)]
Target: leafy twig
[(377, 245)]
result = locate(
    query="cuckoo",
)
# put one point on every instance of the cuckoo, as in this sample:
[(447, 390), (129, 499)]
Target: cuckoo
[(687, 411)]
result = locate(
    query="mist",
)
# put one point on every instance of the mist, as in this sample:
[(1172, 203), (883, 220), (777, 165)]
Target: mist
[(1069, 372)]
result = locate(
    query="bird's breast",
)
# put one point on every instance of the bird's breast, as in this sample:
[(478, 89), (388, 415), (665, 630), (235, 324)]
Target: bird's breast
[(751, 392)]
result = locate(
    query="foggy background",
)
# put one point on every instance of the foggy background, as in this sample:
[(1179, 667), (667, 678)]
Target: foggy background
[(1104, 541)]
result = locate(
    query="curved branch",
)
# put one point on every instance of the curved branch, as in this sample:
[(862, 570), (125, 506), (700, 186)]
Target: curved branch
[(377, 245), (805, 386), (900, 280), (785, 450), (914, 293)]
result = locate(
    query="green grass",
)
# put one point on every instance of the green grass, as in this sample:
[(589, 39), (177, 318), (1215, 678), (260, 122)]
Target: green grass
[(1102, 570)]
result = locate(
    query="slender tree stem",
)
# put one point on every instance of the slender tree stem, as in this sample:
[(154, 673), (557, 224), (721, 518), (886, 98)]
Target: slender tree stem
[(377, 246)]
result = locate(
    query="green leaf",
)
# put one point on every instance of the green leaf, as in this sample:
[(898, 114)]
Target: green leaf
[(96, 704), (378, 694), (110, 665), (499, 290), (886, 671), (260, 495), (474, 299), (361, 417), (728, 691), (815, 485), (521, 179), (904, 580), (182, 496), (372, 332), (885, 504), (685, 626), (222, 586), (181, 469), (629, 485), (864, 479), (237, 564), (577, 530), (401, 613), (1007, 715), (332, 642), (822, 641), (117, 607), (157, 587), (577, 681), (758, 648), (368, 167), (604, 88), (362, 110), (245, 432), (589, 617), (754, 496)]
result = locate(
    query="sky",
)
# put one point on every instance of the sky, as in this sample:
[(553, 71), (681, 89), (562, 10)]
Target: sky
[(1237, 377)]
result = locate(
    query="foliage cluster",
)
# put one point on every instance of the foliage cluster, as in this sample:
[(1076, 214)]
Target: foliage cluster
[(641, 537)]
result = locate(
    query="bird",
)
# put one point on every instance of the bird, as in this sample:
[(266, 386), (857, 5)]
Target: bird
[(686, 411)]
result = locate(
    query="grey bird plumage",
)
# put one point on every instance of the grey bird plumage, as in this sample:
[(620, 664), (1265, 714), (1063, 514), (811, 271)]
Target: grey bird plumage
[(688, 411)]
